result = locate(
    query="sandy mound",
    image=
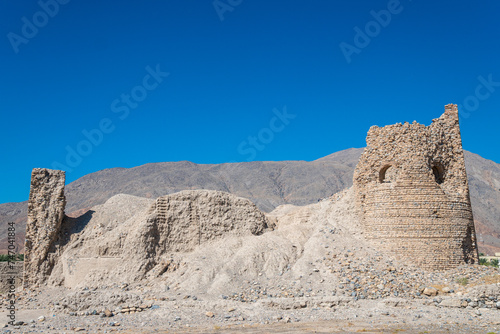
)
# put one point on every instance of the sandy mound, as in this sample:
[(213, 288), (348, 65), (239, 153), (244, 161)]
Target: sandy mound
[(129, 238), (213, 243), (208, 243)]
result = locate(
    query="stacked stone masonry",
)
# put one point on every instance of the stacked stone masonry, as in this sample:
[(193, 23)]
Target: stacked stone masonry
[(412, 187), (45, 215)]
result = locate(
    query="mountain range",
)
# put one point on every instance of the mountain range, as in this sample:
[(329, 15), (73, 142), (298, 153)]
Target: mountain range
[(267, 183)]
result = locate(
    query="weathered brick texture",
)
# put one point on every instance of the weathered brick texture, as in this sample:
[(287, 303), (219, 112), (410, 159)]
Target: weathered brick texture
[(45, 214), (412, 187)]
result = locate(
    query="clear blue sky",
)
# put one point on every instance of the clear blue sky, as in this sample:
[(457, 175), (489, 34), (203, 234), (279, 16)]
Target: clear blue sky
[(74, 67)]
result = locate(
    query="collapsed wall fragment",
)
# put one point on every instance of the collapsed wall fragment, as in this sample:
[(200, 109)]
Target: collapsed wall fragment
[(45, 215)]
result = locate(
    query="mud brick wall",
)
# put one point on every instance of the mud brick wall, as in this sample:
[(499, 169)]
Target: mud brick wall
[(45, 214), (182, 221), (412, 187)]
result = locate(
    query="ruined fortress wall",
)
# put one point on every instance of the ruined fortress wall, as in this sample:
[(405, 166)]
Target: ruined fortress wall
[(45, 214), (186, 219), (412, 187)]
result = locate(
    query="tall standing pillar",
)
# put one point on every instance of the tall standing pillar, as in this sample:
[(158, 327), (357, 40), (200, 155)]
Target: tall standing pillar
[(45, 214)]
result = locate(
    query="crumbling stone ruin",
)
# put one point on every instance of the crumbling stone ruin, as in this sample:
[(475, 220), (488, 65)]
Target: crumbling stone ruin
[(45, 215), (182, 221), (65, 251), (412, 187)]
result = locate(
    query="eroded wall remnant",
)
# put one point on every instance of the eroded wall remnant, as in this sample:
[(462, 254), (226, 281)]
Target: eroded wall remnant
[(186, 219), (45, 214), (410, 184), (412, 187)]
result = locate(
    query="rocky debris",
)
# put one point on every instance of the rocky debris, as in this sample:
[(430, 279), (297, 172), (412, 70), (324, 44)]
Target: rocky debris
[(91, 302), (430, 291), (487, 291), (176, 308), (483, 296), (177, 313), (134, 309), (453, 302)]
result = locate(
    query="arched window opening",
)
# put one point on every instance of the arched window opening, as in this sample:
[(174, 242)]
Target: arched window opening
[(387, 174), (438, 172)]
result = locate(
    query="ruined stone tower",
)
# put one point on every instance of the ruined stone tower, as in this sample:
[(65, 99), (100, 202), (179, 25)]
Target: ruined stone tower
[(412, 187), (45, 214)]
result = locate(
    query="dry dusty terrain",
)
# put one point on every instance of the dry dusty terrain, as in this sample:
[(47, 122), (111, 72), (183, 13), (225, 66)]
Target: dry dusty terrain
[(312, 272)]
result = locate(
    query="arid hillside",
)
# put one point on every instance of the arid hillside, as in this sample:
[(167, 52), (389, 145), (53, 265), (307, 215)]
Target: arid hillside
[(267, 184)]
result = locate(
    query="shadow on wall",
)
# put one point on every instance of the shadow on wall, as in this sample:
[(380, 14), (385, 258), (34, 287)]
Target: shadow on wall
[(73, 226)]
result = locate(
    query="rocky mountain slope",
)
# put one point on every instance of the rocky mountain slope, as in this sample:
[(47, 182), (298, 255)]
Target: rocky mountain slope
[(267, 184), (484, 184)]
